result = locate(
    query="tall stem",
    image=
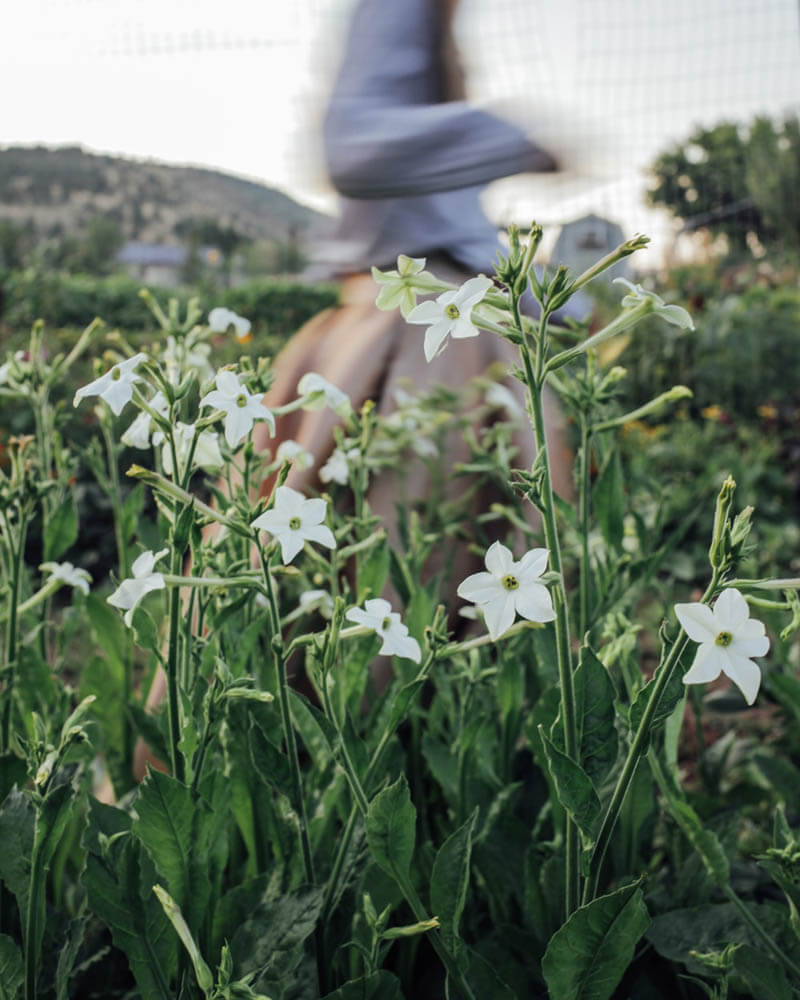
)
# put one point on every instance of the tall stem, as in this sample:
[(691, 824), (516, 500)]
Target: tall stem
[(535, 380), (173, 704), (12, 637), (584, 505)]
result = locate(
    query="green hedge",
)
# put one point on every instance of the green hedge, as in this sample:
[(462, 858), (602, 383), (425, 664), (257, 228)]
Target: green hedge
[(276, 307)]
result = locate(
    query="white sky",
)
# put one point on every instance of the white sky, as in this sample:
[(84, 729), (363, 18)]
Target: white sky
[(238, 86)]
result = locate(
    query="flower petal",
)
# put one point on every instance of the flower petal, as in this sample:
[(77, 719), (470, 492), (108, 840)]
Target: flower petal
[(480, 588), (435, 338), (291, 544), (425, 312), (744, 673), (321, 534), (499, 559), (535, 603), (730, 611), (499, 615), (697, 621), (532, 565), (708, 663)]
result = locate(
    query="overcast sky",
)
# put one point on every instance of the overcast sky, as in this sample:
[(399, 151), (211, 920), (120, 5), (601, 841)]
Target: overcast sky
[(238, 85)]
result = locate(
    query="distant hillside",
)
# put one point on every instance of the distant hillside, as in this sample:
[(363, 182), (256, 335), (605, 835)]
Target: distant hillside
[(60, 190)]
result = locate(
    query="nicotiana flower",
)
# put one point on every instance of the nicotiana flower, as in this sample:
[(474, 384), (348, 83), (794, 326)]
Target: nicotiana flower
[(317, 600), (293, 452), (65, 572), (293, 520), (116, 386), (185, 355), (728, 638), (220, 319), (450, 313), (395, 289), (509, 587), (337, 468), (312, 383), (138, 434), (206, 452), (377, 615), (241, 407), (131, 591), (503, 398), (672, 314)]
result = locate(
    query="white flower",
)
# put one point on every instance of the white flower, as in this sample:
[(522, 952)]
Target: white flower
[(138, 434), (69, 574), (378, 616), (450, 313), (728, 637), (337, 468), (241, 407), (294, 520), (672, 314), (188, 354), (206, 452), (509, 587), (293, 452), (116, 386), (323, 394), (130, 592), (396, 291), (220, 319), (317, 600), (6, 367)]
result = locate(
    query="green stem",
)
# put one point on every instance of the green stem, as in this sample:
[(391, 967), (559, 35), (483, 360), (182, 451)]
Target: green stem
[(33, 922), (12, 637), (535, 381), (760, 932), (584, 505), (173, 703), (638, 746)]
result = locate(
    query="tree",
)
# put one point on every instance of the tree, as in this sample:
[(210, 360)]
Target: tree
[(735, 180)]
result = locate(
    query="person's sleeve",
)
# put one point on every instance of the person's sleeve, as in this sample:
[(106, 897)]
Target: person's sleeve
[(386, 135)]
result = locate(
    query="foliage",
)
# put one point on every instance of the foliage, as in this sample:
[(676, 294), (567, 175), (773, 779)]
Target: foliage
[(735, 181), (552, 813)]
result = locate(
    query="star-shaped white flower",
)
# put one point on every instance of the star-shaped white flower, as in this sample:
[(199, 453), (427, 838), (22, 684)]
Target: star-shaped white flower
[(294, 520), (509, 587), (220, 319), (378, 616), (73, 576), (138, 434), (131, 591), (450, 313), (322, 393), (291, 451), (116, 386), (728, 637), (395, 290), (241, 408), (676, 315), (337, 468)]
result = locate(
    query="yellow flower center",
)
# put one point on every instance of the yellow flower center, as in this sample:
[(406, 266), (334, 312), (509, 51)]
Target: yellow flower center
[(294, 523), (510, 582), (241, 399), (724, 639), (451, 311), (387, 621), (116, 374)]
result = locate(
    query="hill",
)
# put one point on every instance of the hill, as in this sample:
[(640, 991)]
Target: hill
[(59, 191)]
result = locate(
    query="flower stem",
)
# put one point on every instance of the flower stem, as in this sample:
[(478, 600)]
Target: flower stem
[(12, 629), (173, 705)]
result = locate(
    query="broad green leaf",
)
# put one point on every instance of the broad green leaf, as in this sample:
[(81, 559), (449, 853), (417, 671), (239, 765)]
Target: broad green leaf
[(587, 956), (391, 829), (670, 697), (573, 786), (599, 734), (275, 930), (235, 907), (380, 985), (61, 531), (13, 771), (129, 514), (51, 820), (119, 879), (69, 952), (270, 764), (176, 827), (109, 632), (11, 969), (17, 818), (450, 880), (150, 728), (609, 501), (763, 976), (372, 572), (485, 980)]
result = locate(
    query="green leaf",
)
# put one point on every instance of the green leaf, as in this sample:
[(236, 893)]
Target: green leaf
[(270, 764), (275, 931), (69, 952), (130, 511), (17, 818), (609, 501), (599, 735), (670, 697), (573, 786), (109, 631), (11, 969), (391, 833), (380, 985), (764, 977), (13, 771), (61, 531), (177, 827), (587, 956), (703, 840), (485, 981), (372, 572), (119, 879), (450, 880), (149, 727)]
